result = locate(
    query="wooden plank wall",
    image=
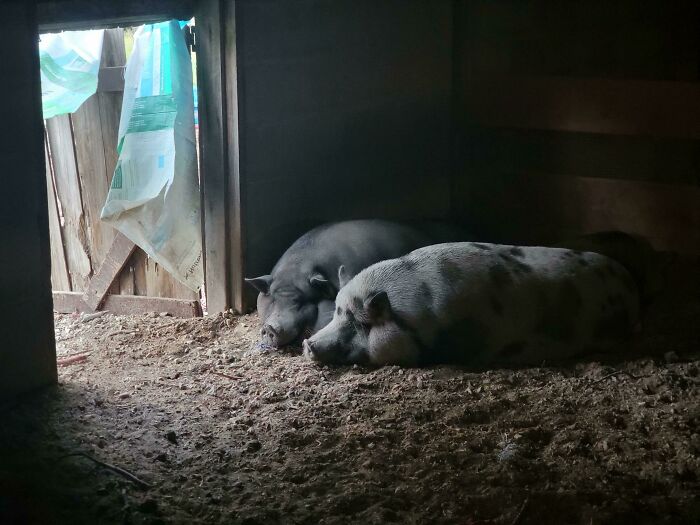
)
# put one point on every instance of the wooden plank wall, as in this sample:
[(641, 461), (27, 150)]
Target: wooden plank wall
[(578, 116), (82, 149), (343, 112)]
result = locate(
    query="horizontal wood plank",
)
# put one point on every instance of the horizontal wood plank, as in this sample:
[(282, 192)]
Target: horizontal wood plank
[(566, 154), (70, 302), (620, 107), (535, 208), (88, 14)]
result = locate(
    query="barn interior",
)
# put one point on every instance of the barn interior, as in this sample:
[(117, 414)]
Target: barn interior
[(525, 122)]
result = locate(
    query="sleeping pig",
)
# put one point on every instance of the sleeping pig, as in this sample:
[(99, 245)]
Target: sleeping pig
[(298, 296), (478, 304)]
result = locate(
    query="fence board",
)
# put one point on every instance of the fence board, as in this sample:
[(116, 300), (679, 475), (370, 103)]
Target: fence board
[(116, 258), (95, 146), (60, 280), (65, 168), (70, 302)]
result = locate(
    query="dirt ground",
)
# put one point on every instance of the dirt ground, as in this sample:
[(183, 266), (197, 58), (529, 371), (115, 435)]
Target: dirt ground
[(218, 430)]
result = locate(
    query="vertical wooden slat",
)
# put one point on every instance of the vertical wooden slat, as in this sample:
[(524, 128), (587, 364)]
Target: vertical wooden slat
[(60, 280), (95, 130), (60, 135), (211, 78), (241, 297)]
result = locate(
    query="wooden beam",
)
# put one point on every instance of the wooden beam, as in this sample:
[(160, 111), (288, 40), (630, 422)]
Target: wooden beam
[(618, 107), (70, 302), (213, 167), (116, 259), (63, 15), (528, 207), (241, 296), (111, 79)]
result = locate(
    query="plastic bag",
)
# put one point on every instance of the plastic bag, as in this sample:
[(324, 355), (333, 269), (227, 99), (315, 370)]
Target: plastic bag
[(70, 64), (154, 196)]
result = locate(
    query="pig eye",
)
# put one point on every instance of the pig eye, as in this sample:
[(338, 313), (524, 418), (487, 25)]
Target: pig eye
[(339, 311)]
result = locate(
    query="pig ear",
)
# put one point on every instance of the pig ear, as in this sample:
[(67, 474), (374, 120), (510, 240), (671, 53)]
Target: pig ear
[(378, 306), (323, 285), (343, 275), (261, 284)]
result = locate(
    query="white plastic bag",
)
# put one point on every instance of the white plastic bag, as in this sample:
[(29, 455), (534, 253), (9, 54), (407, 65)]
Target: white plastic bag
[(154, 196), (70, 64)]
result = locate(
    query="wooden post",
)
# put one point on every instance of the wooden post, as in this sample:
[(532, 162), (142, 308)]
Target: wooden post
[(27, 351), (241, 297), (214, 175)]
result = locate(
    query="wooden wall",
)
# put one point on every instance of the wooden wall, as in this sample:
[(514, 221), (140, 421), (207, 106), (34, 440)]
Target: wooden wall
[(578, 116), (27, 354), (343, 112), (81, 157)]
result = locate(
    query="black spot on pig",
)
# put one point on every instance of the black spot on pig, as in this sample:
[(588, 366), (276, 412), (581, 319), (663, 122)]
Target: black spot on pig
[(517, 266), (480, 246), (500, 277), (516, 251), (582, 261), (450, 271), (339, 311), (426, 293), (512, 349), (408, 263), (497, 306), (357, 303), (568, 254)]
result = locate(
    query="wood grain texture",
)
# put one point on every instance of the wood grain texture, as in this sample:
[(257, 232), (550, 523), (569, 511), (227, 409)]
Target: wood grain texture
[(75, 238), (116, 258), (214, 174), (87, 14), (617, 107), (70, 302), (526, 208), (60, 280), (95, 140), (241, 297)]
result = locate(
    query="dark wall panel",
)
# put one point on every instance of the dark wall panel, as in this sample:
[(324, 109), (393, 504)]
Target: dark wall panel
[(344, 111), (577, 117)]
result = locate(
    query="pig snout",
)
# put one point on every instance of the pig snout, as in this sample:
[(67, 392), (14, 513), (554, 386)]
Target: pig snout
[(274, 335)]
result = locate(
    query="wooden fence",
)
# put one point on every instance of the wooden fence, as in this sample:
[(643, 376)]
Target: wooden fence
[(80, 160)]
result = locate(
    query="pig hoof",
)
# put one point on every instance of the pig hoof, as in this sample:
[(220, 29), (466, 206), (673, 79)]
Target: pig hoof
[(308, 353)]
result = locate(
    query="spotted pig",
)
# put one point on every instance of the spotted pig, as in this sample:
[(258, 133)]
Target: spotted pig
[(479, 304)]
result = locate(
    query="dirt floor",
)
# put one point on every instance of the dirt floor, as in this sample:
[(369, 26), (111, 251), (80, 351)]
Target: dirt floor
[(218, 430)]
